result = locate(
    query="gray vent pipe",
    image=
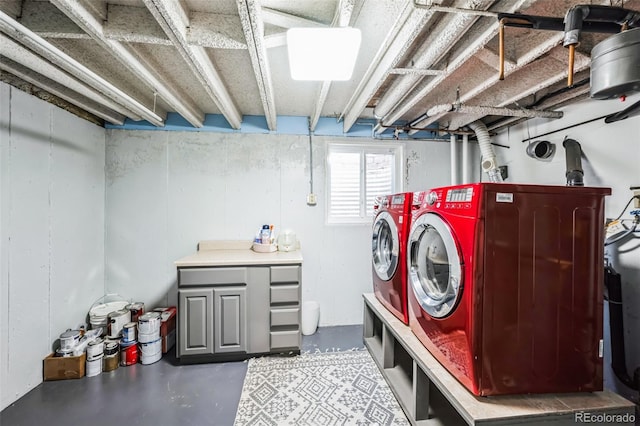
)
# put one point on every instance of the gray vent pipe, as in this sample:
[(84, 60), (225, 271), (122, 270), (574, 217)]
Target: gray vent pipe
[(574, 162), (489, 163)]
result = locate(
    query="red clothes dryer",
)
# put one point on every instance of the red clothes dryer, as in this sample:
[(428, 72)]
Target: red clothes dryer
[(506, 285), (389, 246)]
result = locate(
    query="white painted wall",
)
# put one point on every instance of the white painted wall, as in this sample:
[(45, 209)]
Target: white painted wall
[(612, 159), (168, 190), (52, 232)]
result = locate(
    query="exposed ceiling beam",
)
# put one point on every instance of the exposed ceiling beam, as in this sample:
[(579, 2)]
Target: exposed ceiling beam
[(43, 48), (250, 16), (403, 32), (48, 21), (95, 28), (287, 20), (12, 51), (61, 91), (422, 90), (174, 21), (522, 90), (216, 31), (341, 19), (133, 25), (416, 71), (447, 32), (465, 114)]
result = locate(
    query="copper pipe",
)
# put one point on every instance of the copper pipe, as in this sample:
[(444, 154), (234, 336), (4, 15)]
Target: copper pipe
[(501, 48), (572, 53)]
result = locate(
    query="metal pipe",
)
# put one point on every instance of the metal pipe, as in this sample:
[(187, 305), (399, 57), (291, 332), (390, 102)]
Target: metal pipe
[(572, 56), (501, 49), (613, 283), (454, 159), (462, 10), (573, 158), (465, 158)]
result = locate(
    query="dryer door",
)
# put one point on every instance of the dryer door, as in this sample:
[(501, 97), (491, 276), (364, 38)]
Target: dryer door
[(435, 270), (385, 246)]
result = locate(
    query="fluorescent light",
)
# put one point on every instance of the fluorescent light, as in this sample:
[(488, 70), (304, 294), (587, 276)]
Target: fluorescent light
[(322, 53)]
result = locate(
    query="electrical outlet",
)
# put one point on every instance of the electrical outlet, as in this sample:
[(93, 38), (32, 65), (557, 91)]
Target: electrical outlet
[(636, 194), (311, 199)]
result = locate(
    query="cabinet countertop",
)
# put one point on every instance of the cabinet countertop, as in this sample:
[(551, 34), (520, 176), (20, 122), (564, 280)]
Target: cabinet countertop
[(238, 255)]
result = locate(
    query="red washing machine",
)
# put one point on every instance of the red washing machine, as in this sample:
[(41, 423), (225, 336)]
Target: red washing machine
[(506, 285), (389, 247)]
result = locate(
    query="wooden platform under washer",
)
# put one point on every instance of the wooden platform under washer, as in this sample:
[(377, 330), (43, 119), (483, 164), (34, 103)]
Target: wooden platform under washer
[(429, 395)]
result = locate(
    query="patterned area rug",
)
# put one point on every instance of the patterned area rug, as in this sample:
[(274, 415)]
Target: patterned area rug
[(335, 388)]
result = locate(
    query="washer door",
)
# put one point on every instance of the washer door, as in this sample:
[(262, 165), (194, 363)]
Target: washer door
[(435, 270), (385, 246)]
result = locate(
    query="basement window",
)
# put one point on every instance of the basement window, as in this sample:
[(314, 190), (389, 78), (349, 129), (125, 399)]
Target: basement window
[(356, 175)]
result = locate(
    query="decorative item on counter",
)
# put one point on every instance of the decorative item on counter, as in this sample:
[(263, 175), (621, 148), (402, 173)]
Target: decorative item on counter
[(265, 240), (287, 241)]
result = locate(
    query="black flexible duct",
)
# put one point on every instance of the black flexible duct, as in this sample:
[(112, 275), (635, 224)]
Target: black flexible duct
[(573, 156), (586, 17), (613, 283)]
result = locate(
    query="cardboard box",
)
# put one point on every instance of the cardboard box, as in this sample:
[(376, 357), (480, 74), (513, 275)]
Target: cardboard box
[(167, 327), (67, 367)]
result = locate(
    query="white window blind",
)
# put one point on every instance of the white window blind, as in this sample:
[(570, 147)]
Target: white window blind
[(357, 174)]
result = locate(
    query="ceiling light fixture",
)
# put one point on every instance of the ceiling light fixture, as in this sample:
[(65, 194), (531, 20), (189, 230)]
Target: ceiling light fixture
[(323, 54)]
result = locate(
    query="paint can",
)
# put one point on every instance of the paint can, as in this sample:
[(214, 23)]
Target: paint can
[(150, 352), (137, 310), (117, 320), (94, 366), (129, 333), (64, 352), (98, 314), (149, 323), (95, 349), (129, 354), (111, 356), (69, 339)]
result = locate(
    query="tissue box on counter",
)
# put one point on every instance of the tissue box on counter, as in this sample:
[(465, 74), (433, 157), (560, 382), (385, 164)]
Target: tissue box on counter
[(64, 367), (167, 327)]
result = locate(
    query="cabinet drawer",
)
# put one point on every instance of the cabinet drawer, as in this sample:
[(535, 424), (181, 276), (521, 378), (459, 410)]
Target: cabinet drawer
[(290, 316), (285, 339), (285, 293), (212, 276), (285, 274)]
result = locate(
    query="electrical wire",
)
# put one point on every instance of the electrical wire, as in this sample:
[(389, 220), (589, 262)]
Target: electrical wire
[(625, 208)]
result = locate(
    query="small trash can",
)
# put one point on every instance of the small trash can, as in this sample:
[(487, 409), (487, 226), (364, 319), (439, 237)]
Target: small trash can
[(310, 317)]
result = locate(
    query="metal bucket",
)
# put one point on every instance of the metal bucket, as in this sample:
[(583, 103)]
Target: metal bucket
[(615, 65)]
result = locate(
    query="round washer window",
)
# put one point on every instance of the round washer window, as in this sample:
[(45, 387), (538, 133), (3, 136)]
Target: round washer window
[(435, 271), (385, 246)]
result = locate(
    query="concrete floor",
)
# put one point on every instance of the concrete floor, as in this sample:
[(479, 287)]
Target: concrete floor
[(160, 394)]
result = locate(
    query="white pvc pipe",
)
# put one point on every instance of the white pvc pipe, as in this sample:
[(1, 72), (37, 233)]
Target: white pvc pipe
[(465, 158), (454, 160)]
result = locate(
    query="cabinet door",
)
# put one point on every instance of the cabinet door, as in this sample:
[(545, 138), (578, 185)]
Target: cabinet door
[(195, 321), (230, 319)]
